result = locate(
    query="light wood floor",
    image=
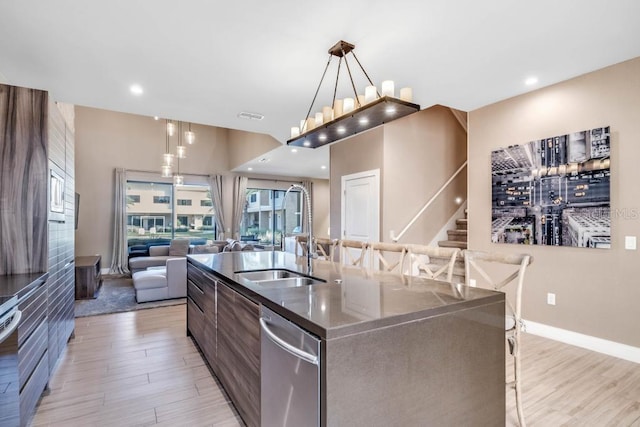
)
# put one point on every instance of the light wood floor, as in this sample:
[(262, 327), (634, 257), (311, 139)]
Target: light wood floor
[(134, 369), (565, 385), (139, 369)]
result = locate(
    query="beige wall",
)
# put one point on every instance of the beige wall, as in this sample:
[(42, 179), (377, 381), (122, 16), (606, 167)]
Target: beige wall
[(106, 140), (321, 207), (359, 153), (245, 146), (597, 290), (421, 152), (416, 155)]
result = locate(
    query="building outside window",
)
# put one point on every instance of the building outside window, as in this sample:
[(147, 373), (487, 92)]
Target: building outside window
[(265, 215), (152, 214), (161, 199)]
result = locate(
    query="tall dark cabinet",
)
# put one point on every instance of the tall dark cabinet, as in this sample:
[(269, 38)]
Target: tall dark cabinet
[(37, 196), (61, 283)]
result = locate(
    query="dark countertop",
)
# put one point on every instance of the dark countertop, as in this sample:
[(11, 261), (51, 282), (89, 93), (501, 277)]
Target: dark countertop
[(21, 285), (358, 302)]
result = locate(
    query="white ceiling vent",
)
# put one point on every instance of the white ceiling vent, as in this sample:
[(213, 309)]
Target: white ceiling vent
[(250, 116)]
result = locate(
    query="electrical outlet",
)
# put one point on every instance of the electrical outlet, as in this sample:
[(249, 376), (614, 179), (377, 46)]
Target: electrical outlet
[(630, 243), (551, 299), (472, 282)]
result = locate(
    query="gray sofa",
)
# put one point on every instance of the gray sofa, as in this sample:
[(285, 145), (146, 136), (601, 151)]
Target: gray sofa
[(158, 255)]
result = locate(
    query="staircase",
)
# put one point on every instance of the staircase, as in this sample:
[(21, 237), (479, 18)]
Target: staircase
[(456, 238)]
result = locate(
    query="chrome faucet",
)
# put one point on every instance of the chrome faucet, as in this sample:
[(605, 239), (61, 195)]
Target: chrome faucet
[(311, 253)]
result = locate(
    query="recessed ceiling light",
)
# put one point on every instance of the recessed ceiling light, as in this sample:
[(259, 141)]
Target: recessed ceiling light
[(136, 89), (249, 168), (294, 150), (156, 118), (323, 167), (531, 81)]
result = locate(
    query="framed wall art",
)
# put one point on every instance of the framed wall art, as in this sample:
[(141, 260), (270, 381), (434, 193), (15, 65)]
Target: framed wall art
[(553, 191)]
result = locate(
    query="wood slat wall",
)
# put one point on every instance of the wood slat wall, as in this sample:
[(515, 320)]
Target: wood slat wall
[(23, 180), (61, 283)]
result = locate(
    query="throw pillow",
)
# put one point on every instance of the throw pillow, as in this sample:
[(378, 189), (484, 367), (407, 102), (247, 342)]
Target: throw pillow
[(179, 247)]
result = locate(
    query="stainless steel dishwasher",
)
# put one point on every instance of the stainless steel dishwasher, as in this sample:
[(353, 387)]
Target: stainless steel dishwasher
[(290, 373)]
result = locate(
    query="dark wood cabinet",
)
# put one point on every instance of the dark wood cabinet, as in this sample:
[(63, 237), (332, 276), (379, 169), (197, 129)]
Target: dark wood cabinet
[(226, 333), (201, 320), (229, 338), (39, 238), (247, 359), (61, 282), (88, 276), (24, 361)]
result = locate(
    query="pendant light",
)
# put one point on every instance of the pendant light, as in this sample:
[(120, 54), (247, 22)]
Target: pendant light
[(190, 136), (167, 166), (180, 149)]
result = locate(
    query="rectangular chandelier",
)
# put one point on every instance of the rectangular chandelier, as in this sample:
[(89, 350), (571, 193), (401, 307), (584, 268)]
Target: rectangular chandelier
[(350, 116)]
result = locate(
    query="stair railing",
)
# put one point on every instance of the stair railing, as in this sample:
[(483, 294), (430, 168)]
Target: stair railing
[(429, 202)]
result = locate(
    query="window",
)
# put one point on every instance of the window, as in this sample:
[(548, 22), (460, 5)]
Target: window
[(162, 199), (155, 216), (264, 222), (182, 223)]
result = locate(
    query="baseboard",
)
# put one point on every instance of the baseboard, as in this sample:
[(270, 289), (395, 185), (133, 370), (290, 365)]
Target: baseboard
[(611, 348)]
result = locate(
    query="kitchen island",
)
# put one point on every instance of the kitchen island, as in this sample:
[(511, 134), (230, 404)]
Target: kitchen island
[(394, 350)]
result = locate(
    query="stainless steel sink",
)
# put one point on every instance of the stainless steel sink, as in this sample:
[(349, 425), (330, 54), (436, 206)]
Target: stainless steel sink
[(277, 278)]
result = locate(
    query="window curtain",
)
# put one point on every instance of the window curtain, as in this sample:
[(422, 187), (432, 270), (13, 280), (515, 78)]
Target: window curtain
[(308, 185), (215, 186), (119, 253), (239, 200)]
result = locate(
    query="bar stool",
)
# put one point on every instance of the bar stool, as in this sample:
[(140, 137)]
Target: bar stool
[(476, 262)]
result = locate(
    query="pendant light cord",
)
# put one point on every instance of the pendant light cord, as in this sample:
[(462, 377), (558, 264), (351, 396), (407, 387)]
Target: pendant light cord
[(316, 94)]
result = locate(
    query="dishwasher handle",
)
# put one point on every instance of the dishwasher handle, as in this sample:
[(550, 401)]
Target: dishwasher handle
[(17, 315), (286, 346)]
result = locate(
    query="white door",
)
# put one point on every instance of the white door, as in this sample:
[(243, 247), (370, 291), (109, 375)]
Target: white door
[(361, 206)]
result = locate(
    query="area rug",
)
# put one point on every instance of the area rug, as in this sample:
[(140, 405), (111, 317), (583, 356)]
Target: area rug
[(115, 296)]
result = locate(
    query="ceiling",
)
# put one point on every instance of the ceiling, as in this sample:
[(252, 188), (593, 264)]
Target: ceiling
[(205, 62)]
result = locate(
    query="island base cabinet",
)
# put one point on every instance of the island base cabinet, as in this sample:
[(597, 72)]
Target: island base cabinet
[(239, 352), (443, 370), (201, 312), (225, 326)]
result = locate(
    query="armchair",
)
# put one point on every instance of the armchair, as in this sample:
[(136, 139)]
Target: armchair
[(158, 283)]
